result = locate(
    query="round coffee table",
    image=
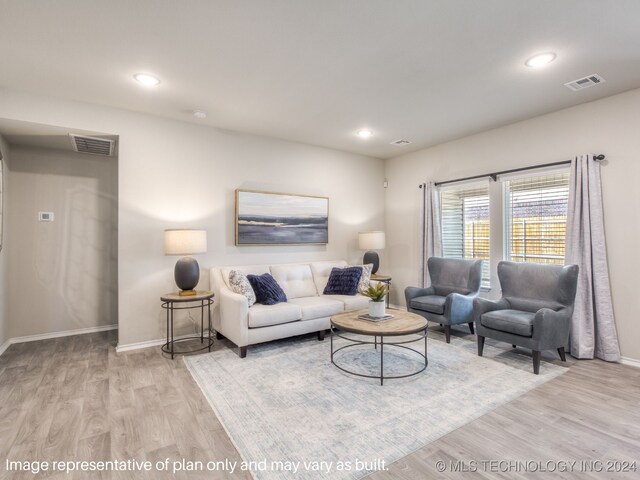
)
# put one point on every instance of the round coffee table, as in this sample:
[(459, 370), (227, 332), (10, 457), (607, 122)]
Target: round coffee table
[(403, 323)]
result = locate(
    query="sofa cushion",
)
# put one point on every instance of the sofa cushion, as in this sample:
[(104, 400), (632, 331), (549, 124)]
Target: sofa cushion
[(317, 307), (296, 280), (265, 315), (267, 290), (343, 281), (321, 272), (240, 284), (244, 269), (351, 302), (429, 303), (511, 321)]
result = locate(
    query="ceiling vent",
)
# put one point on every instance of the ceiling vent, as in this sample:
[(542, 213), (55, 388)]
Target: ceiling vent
[(585, 82), (92, 145), (400, 143)]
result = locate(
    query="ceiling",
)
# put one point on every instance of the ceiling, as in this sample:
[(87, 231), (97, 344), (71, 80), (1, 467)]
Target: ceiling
[(315, 71)]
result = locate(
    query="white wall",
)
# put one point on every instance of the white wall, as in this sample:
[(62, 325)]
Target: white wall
[(174, 174), (4, 253), (610, 126), (63, 273)]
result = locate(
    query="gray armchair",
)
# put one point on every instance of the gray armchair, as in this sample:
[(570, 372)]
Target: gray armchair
[(535, 309), (449, 299)]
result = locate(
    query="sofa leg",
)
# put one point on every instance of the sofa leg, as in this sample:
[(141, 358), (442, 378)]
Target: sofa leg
[(536, 362), (242, 352), (563, 357), (447, 333), (471, 328), (219, 336), (321, 335), (480, 345)]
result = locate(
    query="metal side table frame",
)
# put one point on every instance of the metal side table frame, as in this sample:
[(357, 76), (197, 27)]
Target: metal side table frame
[(203, 299)]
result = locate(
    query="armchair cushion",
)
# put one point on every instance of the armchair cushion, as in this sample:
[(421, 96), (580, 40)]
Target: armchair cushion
[(517, 322), (429, 303)]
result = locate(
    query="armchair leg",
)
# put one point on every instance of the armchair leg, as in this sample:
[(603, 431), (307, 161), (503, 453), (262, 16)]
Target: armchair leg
[(447, 333), (513, 345), (320, 335), (471, 328), (242, 352), (480, 345), (536, 362), (563, 357)]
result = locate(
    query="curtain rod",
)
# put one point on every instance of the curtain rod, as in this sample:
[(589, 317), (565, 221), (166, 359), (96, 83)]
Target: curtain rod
[(494, 176)]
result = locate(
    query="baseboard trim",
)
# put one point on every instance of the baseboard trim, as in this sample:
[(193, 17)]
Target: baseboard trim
[(150, 343), (136, 346), (47, 336), (632, 362)]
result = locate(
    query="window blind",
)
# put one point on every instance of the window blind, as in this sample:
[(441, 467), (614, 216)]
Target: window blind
[(536, 218), (465, 223)]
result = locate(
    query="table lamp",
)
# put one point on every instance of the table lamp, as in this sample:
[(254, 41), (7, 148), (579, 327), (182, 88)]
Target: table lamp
[(371, 241), (187, 270)]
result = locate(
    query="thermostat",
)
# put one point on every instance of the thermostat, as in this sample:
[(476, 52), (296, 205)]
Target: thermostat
[(45, 216)]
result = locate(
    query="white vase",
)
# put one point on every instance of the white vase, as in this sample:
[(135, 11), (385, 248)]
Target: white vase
[(376, 309)]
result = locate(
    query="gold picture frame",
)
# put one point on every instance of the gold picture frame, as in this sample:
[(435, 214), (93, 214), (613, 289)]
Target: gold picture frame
[(276, 218)]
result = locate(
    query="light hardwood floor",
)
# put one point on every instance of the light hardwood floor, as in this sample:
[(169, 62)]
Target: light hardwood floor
[(76, 398)]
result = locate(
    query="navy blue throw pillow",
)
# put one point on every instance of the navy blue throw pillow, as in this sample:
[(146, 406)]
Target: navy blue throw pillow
[(343, 281), (267, 290)]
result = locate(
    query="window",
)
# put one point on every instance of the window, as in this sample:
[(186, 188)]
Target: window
[(536, 218), (465, 224)]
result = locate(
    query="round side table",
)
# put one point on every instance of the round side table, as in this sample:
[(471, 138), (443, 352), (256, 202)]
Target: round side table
[(172, 302)]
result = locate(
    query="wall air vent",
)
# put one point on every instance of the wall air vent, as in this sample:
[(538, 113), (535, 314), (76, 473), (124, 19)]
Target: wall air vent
[(585, 82), (400, 143), (92, 145)]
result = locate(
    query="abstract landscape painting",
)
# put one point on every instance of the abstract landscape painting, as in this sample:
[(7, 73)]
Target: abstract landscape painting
[(264, 218)]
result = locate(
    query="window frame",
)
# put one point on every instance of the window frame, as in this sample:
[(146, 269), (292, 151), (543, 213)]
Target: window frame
[(469, 186)]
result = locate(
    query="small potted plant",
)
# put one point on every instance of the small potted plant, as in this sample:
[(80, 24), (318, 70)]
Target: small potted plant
[(377, 293)]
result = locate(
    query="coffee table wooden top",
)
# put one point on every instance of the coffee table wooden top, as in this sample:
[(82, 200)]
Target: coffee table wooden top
[(402, 323)]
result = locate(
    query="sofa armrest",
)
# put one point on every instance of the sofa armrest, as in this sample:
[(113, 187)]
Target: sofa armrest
[(551, 328), (482, 306), (412, 292), (234, 321)]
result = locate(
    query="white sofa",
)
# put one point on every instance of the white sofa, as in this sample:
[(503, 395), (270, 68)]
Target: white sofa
[(306, 310)]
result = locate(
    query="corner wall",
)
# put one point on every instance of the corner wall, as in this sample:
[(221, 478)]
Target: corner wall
[(174, 174), (4, 253), (608, 126)]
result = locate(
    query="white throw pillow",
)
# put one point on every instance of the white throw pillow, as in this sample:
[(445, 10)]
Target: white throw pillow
[(240, 284), (365, 278)]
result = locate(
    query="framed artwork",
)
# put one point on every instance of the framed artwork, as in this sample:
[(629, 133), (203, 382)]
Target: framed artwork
[(266, 218)]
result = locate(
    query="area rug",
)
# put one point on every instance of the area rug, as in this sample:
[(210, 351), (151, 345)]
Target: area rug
[(291, 413)]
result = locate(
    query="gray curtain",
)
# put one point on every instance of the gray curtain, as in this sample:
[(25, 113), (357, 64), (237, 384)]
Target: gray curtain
[(431, 232), (593, 328)]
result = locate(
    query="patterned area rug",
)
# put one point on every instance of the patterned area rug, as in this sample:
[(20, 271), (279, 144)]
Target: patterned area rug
[(294, 414)]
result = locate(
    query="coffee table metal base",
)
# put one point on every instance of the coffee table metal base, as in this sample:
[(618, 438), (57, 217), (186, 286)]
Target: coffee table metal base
[(357, 342)]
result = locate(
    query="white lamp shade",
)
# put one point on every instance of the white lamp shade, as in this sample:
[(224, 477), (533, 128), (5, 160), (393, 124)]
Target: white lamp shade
[(371, 240), (185, 242)]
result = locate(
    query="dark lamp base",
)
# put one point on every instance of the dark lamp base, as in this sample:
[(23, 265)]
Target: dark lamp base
[(372, 257), (187, 275)]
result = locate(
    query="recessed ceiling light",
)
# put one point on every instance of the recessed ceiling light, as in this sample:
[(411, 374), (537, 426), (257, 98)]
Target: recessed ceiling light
[(146, 79), (364, 133), (199, 113), (540, 59)]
